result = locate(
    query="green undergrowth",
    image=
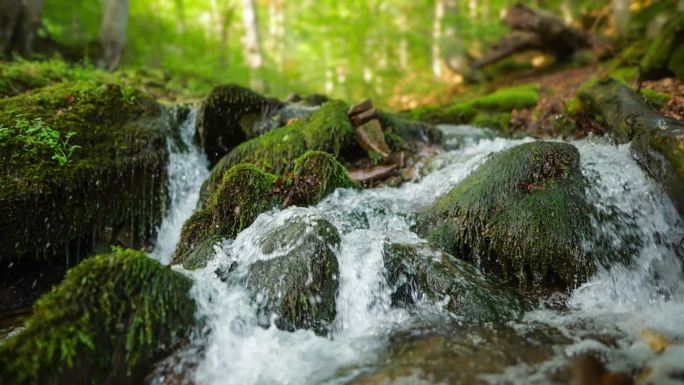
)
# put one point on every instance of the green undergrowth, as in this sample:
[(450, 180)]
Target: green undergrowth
[(328, 129), (76, 158), (522, 215), (111, 318), (490, 110)]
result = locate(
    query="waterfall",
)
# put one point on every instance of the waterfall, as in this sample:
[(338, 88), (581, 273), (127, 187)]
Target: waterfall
[(187, 169)]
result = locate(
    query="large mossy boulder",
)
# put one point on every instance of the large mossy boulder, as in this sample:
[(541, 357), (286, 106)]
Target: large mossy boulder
[(245, 192), (76, 161), (522, 215), (228, 117), (328, 129), (111, 318), (299, 283), (423, 273)]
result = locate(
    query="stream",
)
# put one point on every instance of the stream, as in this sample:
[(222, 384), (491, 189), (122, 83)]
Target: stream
[(605, 315)]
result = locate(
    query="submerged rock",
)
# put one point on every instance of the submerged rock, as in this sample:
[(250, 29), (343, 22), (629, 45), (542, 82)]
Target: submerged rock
[(458, 355), (80, 162), (111, 318), (522, 215), (327, 129), (228, 117), (424, 273), (299, 283)]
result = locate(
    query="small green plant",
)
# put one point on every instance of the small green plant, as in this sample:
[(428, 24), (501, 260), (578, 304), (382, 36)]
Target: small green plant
[(128, 94), (34, 135)]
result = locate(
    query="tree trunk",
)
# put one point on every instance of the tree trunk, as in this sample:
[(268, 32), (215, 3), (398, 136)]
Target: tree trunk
[(19, 24), (180, 13), (252, 44), (657, 141), (113, 32), (621, 14), (437, 39)]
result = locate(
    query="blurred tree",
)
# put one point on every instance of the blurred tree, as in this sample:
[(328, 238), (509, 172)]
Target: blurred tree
[(113, 33)]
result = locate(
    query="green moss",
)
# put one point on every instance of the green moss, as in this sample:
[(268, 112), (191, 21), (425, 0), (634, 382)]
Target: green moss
[(112, 317), (488, 110), (22, 75), (46, 208), (676, 62), (655, 99), (660, 50), (245, 192), (421, 272), (523, 213), (317, 175), (328, 129)]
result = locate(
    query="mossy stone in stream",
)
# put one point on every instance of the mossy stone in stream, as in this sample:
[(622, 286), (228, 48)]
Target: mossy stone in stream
[(113, 183), (522, 215), (245, 192), (328, 129), (111, 318), (425, 273), (300, 282), (227, 118), (317, 174)]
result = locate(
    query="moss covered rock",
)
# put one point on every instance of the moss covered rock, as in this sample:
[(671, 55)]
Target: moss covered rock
[(522, 215), (245, 192), (327, 129), (665, 55), (110, 319), (491, 110), (317, 174), (300, 282), (80, 162), (424, 273), (228, 116)]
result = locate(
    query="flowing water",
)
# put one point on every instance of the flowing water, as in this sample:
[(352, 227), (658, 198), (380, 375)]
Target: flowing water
[(188, 168), (648, 293)]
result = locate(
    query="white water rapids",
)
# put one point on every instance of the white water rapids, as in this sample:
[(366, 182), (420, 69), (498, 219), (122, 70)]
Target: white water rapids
[(623, 301)]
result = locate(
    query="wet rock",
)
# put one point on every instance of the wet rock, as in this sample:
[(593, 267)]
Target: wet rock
[(371, 138), (227, 118), (317, 174), (458, 356), (588, 370), (300, 282), (365, 105), (244, 193), (109, 321), (327, 129), (522, 215), (409, 130), (76, 161), (367, 175), (423, 273), (364, 117)]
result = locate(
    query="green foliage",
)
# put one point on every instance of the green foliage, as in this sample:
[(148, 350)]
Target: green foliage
[(110, 319), (522, 213), (34, 135)]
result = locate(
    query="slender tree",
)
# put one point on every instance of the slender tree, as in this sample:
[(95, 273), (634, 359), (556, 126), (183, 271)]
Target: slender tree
[(113, 32), (437, 39), (252, 43), (19, 24)]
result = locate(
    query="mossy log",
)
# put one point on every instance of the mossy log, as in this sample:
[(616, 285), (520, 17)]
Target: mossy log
[(111, 318), (113, 183), (657, 141), (540, 30), (522, 215)]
